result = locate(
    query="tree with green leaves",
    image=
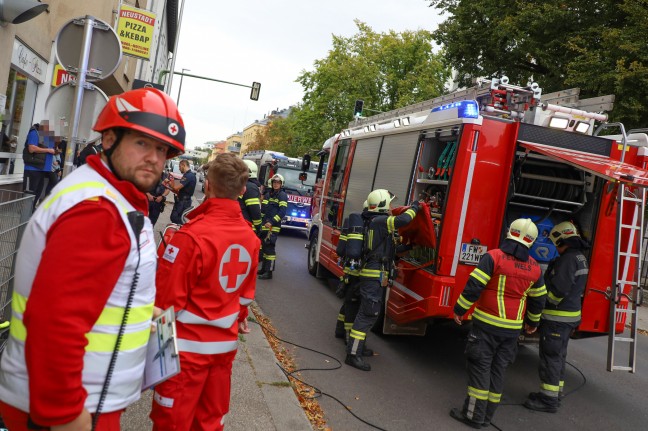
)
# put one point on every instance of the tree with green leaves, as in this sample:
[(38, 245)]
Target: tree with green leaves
[(597, 45), (386, 70)]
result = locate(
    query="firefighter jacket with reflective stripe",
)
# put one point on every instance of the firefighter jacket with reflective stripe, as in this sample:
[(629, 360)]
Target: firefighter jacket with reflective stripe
[(274, 208), (250, 203), (379, 241), (500, 288), (207, 272), (566, 277), (83, 184)]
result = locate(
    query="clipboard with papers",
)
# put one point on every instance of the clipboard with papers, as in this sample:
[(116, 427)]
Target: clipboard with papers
[(162, 357)]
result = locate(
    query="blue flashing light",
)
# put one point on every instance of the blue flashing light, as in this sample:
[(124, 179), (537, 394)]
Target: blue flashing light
[(294, 213), (465, 108), (302, 215)]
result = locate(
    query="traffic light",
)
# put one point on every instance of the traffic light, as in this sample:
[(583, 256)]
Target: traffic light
[(357, 111), (256, 89)]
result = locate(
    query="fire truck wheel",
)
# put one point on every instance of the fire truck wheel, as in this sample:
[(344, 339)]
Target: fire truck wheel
[(313, 265)]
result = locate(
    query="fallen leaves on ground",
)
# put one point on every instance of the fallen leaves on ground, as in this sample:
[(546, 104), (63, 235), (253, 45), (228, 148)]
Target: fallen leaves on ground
[(305, 394)]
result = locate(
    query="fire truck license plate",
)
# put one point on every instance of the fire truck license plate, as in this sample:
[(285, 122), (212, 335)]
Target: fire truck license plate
[(471, 253)]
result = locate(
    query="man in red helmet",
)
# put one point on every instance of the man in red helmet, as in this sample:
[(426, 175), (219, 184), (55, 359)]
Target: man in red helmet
[(77, 345)]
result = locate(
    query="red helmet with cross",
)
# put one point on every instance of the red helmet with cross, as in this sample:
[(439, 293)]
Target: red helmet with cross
[(146, 110)]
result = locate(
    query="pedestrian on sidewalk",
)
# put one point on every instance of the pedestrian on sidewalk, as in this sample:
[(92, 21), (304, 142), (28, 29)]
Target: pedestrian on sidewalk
[(183, 191), (77, 346), (505, 279), (207, 273), (566, 277)]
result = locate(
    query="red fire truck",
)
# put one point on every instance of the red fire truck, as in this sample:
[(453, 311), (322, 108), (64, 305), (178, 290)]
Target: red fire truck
[(481, 158)]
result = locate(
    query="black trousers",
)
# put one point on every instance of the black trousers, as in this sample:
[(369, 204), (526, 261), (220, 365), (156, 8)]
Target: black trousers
[(488, 355), (350, 306), (268, 244), (179, 207), (155, 208), (371, 298), (33, 183), (554, 339)]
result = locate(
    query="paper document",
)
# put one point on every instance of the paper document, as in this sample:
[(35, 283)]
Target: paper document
[(162, 358)]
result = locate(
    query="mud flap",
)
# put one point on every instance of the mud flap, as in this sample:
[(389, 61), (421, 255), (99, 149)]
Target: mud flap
[(389, 327)]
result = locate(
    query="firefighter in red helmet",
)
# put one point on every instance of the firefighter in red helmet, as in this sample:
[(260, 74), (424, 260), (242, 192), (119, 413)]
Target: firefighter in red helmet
[(95, 217), (505, 279)]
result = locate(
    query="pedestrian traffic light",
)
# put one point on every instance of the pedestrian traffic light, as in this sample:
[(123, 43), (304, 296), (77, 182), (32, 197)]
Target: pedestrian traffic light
[(256, 89), (357, 111)]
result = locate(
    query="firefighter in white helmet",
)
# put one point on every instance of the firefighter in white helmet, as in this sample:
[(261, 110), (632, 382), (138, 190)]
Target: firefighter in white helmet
[(376, 269), (566, 277), (250, 201), (273, 208), (504, 280)]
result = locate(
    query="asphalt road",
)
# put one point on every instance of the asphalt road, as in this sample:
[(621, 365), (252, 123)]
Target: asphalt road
[(415, 381)]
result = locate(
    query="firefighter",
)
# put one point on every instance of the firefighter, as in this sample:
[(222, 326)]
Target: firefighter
[(250, 201), (275, 204), (565, 277), (375, 271), (503, 281)]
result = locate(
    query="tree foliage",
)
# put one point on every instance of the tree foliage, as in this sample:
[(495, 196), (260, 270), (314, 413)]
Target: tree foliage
[(597, 45), (386, 70)]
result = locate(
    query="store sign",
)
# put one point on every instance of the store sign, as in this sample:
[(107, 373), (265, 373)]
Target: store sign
[(28, 61), (135, 30), (61, 76)]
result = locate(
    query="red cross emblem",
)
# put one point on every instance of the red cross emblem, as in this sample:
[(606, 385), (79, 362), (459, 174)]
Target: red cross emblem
[(173, 129), (234, 267)]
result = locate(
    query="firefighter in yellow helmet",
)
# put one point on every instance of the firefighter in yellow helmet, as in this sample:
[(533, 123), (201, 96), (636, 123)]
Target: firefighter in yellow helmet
[(273, 208), (504, 280), (566, 277), (250, 201), (376, 268)]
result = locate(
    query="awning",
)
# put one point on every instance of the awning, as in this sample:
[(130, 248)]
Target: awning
[(598, 165)]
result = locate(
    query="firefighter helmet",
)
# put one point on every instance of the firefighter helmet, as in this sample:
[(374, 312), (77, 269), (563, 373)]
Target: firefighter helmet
[(365, 206), (146, 110), (524, 231), (252, 168), (379, 200), (562, 231), (276, 177)]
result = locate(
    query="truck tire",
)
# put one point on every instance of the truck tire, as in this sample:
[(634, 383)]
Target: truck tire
[(313, 264)]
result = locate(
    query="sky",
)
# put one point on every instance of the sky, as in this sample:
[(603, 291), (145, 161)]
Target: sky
[(244, 41)]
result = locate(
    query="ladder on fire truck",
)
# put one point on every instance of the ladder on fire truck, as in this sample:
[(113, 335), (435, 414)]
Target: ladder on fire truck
[(627, 282)]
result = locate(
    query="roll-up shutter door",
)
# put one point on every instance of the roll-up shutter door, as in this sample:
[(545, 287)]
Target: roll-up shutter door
[(395, 165), (362, 174)]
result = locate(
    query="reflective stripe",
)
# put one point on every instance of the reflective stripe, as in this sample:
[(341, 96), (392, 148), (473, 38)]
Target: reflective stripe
[(341, 317), (245, 301), (464, 303), (497, 321), (252, 201), (411, 212), (348, 325), (163, 401), (480, 394), (277, 218), (537, 291), (480, 276), (358, 335), (581, 272), (533, 317), (283, 204), (551, 389), (501, 307), (106, 342), (188, 317), (17, 329), (276, 229), (256, 222), (357, 236), (390, 224), (520, 313), (86, 185), (18, 303), (553, 299), (270, 257), (343, 237), (494, 398), (114, 315), (561, 316), (206, 347), (370, 273)]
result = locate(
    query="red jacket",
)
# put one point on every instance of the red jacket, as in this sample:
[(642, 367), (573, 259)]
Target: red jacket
[(208, 274)]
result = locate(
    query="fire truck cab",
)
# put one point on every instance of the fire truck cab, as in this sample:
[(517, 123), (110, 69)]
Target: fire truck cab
[(481, 158)]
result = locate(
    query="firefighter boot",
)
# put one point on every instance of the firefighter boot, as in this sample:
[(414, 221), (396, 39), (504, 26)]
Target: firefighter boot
[(268, 266), (366, 351), (538, 404), (339, 327), (261, 269), (357, 362), (458, 415)]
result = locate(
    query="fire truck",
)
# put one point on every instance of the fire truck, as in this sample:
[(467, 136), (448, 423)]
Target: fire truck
[(298, 184), (481, 158)]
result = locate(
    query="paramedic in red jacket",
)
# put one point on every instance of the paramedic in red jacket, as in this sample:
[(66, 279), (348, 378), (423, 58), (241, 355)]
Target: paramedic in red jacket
[(208, 274)]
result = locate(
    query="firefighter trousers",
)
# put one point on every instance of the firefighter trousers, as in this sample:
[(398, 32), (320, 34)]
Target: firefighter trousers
[(198, 398), (554, 338), (348, 310), (371, 298), (268, 243), (488, 354)]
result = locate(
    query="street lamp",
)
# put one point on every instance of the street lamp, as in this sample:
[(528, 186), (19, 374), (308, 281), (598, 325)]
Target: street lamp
[(180, 87)]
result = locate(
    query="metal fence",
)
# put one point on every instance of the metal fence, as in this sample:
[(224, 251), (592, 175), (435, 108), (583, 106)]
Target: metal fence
[(15, 211)]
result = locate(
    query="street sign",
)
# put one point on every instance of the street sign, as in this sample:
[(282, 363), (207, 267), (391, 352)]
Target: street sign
[(138, 83), (256, 89)]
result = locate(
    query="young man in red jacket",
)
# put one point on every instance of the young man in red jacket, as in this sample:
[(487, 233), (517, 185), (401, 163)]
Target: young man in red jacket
[(207, 273), (66, 319)]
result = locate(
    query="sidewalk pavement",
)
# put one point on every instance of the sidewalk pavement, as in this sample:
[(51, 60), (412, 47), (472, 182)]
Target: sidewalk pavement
[(262, 397)]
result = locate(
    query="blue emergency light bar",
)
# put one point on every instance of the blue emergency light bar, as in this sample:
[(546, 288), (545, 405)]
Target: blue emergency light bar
[(465, 108)]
